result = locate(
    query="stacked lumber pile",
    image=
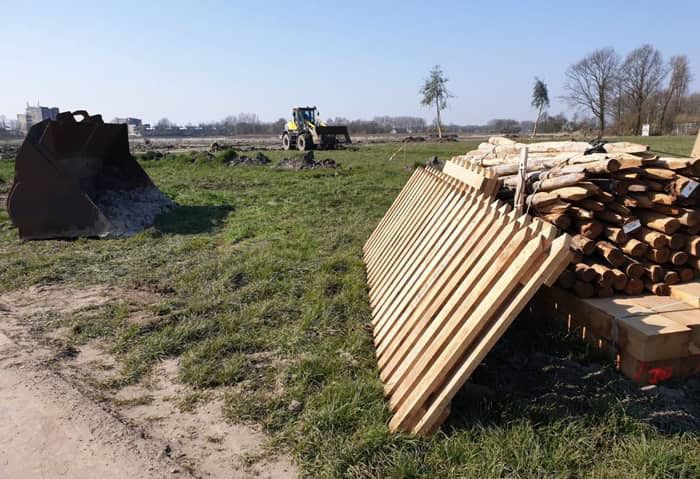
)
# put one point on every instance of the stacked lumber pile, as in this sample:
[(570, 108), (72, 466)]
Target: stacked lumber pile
[(632, 215)]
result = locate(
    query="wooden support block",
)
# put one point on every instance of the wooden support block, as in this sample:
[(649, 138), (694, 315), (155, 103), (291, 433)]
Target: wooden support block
[(651, 327), (657, 372), (653, 336), (690, 293)]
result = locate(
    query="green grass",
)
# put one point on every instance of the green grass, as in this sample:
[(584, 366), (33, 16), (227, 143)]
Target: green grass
[(264, 289), (661, 145), (664, 145)]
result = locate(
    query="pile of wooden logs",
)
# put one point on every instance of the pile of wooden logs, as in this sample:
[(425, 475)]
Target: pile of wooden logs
[(633, 215)]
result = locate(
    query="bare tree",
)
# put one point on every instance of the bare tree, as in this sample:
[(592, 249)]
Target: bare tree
[(435, 92), (677, 86), (590, 83), (619, 99), (540, 100), (640, 76)]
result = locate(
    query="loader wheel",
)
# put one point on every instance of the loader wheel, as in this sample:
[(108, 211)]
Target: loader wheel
[(304, 143), (286, 144)]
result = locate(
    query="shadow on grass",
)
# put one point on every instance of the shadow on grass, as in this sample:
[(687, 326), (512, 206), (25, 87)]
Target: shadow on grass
[(538, 373), (189, 220)]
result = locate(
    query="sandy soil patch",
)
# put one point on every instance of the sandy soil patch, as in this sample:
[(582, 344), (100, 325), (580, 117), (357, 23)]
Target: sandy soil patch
[(62, 423)]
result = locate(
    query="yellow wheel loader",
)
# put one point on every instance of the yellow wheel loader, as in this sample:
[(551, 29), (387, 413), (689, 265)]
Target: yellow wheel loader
[(306, 131), (77, 178)]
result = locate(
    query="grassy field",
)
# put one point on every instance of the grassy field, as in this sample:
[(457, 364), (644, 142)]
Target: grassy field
[(265, 295)]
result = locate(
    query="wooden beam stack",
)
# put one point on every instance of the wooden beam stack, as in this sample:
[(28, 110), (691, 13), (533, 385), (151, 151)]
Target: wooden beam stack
[(632, 215), (651, 338)]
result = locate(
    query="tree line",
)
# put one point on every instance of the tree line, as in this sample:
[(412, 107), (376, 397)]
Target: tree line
[(250, 124), (625, 93), (620, 94)]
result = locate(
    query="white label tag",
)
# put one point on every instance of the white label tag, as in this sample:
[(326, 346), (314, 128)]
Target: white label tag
[(689, 188), (631, 226)]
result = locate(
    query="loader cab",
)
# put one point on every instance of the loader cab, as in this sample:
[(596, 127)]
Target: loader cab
[(303, 115)]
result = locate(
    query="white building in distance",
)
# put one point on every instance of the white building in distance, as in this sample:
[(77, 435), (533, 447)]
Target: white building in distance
[(34, 115)]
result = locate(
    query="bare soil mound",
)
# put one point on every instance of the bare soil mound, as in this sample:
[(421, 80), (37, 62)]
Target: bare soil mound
[(306, 162), (258, 159)]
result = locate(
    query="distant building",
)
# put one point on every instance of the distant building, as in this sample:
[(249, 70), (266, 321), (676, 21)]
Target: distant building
[(34, 115), (134, 125)]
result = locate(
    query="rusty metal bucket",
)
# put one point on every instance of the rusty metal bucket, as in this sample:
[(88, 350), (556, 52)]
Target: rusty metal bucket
[(78, 178)]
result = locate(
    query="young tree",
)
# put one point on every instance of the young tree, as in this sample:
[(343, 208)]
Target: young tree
[(677, 86), (590, 82), (435, 92), (540, 100), (640, 77)]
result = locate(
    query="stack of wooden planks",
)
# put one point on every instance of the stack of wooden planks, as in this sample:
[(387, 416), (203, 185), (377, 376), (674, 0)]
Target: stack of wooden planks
[(448, 270), (652, 338), (632, 215)]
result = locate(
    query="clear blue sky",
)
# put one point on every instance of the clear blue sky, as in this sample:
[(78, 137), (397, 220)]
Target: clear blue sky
[(203, 60)]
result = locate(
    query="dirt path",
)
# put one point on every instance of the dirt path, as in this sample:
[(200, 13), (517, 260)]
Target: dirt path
[(51, 430), (54, 424)]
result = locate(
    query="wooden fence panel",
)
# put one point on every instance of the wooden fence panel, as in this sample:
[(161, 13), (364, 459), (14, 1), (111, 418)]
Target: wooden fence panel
[(449, 269)]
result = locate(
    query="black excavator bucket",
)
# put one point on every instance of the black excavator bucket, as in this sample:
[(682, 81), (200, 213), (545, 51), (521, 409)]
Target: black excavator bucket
[(78, 179), (336, 130)]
